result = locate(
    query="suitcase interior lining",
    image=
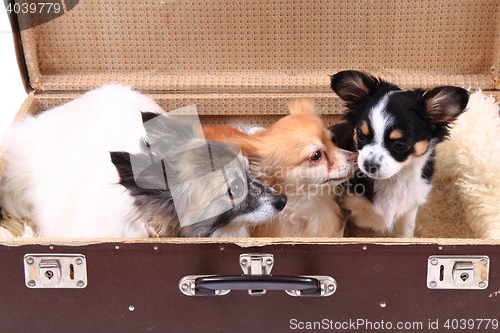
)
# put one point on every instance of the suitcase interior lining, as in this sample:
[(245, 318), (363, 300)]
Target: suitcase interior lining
[(241, 62), (264, 46)]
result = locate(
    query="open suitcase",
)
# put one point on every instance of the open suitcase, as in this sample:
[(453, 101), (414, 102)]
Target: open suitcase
[(244, 60)]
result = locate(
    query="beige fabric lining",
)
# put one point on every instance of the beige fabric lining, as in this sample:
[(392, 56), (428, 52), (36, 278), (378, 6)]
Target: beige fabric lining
[(265, 45), (242, 61)]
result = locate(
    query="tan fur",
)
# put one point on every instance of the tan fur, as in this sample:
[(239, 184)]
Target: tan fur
[(280, 157), (420, 148), (395, 135), (302, 106), (221, 133), (364, 129)]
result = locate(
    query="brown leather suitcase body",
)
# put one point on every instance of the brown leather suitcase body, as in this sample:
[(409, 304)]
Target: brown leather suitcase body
[(244, 60)]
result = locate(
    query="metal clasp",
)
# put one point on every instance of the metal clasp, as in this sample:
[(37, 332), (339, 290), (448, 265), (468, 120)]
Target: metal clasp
[(55, 271), (458, 272), (256, 264)]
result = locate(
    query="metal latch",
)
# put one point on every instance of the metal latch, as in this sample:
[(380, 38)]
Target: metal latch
[(55, 271), (458, 272), (256, 264), (256, 280)]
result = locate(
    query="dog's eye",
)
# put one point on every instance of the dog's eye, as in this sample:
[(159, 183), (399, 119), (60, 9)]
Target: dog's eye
[(316, 156), (360, 136), (236, 189), (400, 147)]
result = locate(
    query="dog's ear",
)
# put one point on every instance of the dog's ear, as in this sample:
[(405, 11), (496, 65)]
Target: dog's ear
[(353, 86), (147, 116), (121, 160), (150, 176), (250, 147), (302, 106), (343, 136), (445, 104)]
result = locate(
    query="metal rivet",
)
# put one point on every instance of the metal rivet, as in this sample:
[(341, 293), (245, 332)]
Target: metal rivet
[(433, 284), (331, 287), (117, 247), (364, 247), (30, 260), (440, 248), (244, 262), (78, 261), (155, 248), (221, 248), (31, 283), (51, 247), (269, 262), (434, 262), (131, 308), (184, 287), (383, 305), (482, 284), (80, 283)]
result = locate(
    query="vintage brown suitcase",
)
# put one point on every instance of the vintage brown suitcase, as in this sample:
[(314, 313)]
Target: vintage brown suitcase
[(244, 60)]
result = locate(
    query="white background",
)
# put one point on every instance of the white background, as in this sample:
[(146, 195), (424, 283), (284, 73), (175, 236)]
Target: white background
[(12, 92)]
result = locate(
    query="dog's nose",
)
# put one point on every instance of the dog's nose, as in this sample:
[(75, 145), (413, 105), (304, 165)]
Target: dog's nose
[(280, 202), (371, 167)]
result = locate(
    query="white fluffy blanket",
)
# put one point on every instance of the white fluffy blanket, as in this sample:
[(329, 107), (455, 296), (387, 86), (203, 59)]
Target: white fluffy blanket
[(465, 199)]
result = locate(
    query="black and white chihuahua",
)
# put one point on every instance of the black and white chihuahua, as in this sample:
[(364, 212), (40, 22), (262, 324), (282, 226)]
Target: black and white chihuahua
[(395, 132)]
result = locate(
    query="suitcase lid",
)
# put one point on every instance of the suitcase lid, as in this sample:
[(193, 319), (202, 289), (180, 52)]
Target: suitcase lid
[(261, 46)]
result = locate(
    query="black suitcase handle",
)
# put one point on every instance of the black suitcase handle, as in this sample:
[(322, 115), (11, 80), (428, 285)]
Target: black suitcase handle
[(212, 285)]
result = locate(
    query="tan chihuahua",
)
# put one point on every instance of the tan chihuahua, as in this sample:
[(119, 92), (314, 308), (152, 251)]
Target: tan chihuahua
[(297, 158)]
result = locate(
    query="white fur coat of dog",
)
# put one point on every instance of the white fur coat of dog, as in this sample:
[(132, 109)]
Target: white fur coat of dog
[(114, 125)]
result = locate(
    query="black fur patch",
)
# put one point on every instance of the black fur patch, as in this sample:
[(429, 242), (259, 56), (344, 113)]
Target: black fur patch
[(428, 170), (359, 184), (147, 116), (343, 136)]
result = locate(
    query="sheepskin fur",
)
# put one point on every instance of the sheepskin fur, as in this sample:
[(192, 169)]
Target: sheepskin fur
[(464, 201)]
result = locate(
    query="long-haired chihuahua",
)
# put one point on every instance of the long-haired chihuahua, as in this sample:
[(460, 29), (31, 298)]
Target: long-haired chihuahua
[(296, 157), (395, 132)]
